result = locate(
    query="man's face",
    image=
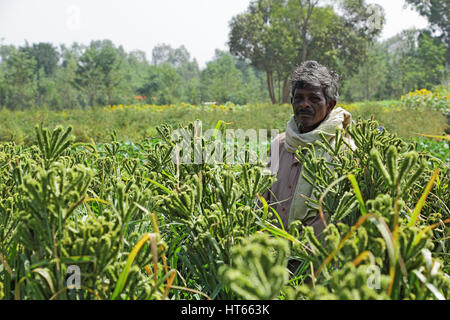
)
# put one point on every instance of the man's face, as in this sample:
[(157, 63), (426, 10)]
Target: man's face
[(310, 108)]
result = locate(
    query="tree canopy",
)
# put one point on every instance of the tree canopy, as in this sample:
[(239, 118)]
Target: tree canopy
[(277, 35), (266, 42)]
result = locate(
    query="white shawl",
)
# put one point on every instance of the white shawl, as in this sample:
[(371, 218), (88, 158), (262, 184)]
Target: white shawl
[(338, 118)]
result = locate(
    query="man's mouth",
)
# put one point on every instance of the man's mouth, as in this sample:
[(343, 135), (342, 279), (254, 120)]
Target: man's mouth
[(304, 113)]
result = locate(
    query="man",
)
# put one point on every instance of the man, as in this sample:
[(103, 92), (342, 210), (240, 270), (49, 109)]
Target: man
[(314, 97)]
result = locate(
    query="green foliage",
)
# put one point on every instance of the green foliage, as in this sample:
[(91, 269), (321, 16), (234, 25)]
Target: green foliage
[(425, 99), (133, 125), (164, 53), (163, 85), (214, 206), (349, 283), (52, 145), (417, 61), (367, 84), (400, 119), (411, 60), (45, 55), (103, 74), (314, 30), (140, 226), (222, 81), (19, 84), (266, 42), (437, 14), (98, 73), (439, 149), (50, 224), (258, 267), (391, 178)]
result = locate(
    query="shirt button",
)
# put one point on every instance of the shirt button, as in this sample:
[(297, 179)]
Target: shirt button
[(290, 187), (284, 209)]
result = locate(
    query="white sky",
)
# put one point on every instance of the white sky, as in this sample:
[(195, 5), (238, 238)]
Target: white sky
[(200, 25)]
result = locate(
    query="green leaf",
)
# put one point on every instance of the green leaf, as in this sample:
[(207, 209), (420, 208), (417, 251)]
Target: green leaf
[(421, 202), (358, 195), (166, 190), (126, 270)]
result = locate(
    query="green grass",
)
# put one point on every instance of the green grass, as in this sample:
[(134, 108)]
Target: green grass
[(439, 149), (135, 125), (403, 121), (152, 230)]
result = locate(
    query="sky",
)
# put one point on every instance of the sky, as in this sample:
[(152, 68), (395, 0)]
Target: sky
[(200, 25)]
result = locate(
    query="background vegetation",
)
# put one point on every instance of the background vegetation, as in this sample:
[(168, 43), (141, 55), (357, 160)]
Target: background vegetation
[(103, 193), (266, 42), (139, 226)]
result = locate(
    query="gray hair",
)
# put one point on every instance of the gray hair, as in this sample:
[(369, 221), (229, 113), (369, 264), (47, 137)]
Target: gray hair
[(311, 74)]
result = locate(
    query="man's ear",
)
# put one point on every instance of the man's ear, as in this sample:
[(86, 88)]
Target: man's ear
[(331, 105)]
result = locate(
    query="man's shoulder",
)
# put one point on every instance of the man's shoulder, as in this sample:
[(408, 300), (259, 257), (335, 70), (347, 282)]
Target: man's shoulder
[(277, 143), (280, 138)]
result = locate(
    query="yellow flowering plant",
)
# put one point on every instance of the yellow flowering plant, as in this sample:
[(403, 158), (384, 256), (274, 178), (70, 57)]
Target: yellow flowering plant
[(437, 100)]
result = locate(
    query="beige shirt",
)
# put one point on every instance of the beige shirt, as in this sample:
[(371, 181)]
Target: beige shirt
[(279, 195)]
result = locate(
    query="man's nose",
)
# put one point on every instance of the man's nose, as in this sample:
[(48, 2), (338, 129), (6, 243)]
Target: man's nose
[(304, 104)]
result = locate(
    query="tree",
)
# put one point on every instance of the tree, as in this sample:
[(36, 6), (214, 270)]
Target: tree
[(109, 63), (135, 69), (188, 69), (192, 91), (88, 76), (5, 52), (19, 84), (438, 13), (369, 83), (221, 80), (416, 60), (277, 35), (306, 10), (45, 55), (67, 95), (74, 52), (164, 53), (258, 36), (99, 73), (178, 58), (162, 85), (254, 89), (431, 57)]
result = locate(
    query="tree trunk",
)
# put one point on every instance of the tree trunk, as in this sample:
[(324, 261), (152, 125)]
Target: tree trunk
[(286, 89), (279, 90), (305, 26), (270, 87), (109, 96), (91, 99), (304, 47)]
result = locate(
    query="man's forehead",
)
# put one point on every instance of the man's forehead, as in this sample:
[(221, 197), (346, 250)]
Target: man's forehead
[(309, 90)]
